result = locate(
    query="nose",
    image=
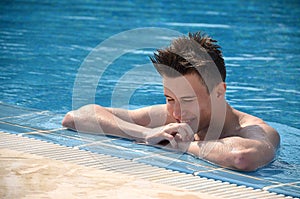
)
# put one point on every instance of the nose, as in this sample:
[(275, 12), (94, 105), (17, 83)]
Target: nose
[(177, 111)]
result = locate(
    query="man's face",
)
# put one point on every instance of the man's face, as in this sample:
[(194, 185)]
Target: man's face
[(188, 100)]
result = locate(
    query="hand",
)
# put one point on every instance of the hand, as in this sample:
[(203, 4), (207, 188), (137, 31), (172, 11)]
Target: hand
[(173, 132)]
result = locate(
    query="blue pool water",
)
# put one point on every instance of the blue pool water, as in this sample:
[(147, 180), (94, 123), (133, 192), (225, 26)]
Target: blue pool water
[(44, 43)]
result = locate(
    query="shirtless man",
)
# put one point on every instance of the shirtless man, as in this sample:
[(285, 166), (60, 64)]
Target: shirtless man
[(196, 117)]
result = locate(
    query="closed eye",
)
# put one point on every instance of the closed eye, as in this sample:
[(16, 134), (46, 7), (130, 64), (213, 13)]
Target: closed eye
[(188, 99)]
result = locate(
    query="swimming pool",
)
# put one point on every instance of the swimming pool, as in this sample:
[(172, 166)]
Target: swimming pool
[(43, 45)]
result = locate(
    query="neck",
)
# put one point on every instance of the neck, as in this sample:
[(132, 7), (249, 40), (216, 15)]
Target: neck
[(231, 122), (220, 126)]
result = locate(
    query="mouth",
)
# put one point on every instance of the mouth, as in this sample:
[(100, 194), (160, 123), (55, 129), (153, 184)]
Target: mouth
[(188, 121)]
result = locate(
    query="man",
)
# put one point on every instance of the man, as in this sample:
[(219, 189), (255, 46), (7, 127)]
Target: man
[(196, 117)]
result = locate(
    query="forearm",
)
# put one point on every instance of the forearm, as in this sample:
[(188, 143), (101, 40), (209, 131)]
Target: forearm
[(96, 119), (151, 116), (213, 151), (234, 152)]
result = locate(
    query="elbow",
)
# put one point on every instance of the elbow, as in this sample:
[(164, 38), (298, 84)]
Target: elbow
[(68, 121), (245, 160)]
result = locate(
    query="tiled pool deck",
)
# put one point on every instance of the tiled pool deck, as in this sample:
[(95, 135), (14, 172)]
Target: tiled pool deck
[(46, 126)]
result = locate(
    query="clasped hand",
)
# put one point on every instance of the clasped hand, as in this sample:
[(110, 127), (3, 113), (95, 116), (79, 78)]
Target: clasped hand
[(179, 135)]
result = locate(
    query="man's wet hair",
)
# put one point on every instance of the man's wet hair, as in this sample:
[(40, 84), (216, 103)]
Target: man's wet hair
[(196, 52)]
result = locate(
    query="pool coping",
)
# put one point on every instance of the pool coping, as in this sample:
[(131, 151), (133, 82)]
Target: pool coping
[(125, 166)]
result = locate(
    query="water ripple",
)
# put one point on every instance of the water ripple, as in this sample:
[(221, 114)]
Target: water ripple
[(248, 88), (287, 91), (249, 58)]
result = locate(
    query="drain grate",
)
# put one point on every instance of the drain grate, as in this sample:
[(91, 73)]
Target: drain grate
[(144, 171)]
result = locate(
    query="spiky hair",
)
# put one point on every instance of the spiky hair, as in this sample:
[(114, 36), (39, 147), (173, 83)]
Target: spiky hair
[(196, 52)]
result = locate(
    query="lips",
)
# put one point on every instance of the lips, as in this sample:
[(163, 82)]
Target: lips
[(186, 121)]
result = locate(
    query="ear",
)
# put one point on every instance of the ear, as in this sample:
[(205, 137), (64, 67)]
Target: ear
[(220, 90)]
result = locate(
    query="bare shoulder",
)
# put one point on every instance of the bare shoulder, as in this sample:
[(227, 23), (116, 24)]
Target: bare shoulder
[(255, 128)]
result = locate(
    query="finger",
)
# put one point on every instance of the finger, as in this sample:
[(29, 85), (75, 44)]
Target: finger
[(178, 137), (187, 132), (182, 134), (172, 129), (171, 140), (168, 137), (173, 143), (177, 132)]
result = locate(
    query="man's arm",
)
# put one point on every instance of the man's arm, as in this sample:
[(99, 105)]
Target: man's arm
[(150, 116), (133, 124), (254, 147)]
